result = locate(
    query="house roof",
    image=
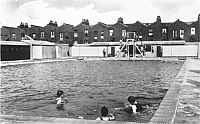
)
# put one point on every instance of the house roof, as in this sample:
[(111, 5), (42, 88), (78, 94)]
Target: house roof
[(80, 25), (102, 24), (135, 25), (124, 25)]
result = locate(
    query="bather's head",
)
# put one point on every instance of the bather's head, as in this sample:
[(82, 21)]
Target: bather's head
[(131, 100), (60, 93), (104, 111)]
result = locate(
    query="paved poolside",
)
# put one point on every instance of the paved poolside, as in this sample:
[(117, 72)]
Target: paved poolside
[(181, 105)]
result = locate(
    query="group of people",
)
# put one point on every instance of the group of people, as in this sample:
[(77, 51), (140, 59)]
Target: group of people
[(132, 108)]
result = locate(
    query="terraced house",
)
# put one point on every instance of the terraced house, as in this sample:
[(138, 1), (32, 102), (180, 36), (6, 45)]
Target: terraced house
[(101, 32), (65, 34), (81, 32), (84, 33)]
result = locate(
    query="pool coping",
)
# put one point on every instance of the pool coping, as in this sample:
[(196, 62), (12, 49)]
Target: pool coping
[(168, 107)]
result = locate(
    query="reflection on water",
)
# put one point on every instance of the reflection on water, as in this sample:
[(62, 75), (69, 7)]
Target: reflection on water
[(31, 89)]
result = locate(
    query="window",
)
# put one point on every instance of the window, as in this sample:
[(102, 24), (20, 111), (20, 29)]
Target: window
[(148, 48), (75, 34), (111, 32), (176, 33), (150, 32), (13, 36), (164, 30), (134, 35), (86, 31), (181, 34), (52, 34), (193, 31), (131, 35), (102, 35), (123, 33), (96, 32), (61, 36), (42, 34), (34, 35)]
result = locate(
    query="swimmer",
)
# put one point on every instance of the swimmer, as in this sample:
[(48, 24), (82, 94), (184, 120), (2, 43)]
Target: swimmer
[(132, 104), (105, 115), (60, 99), (133, 107)]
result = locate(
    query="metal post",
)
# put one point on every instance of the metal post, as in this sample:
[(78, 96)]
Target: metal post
[(198, 50), (133, 48), (128, 52), (31, 52)]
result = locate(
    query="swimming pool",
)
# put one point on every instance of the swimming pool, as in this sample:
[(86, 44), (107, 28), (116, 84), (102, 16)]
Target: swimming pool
[(88, 85)]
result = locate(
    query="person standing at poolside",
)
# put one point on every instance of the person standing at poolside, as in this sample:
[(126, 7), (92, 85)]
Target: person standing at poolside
[(104, 52)]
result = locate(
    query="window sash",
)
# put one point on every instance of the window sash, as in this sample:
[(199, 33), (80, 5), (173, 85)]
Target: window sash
[(181, 34), (164, 30), (14, 36), (75, 34), (42, 35), (192, 31), (111, 32), (123, 33), (52, 34), (61, 36), (34, 35)]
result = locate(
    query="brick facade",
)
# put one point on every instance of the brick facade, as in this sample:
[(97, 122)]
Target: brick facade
[(10, 34), (120, 30), (65, 34), (81, 32), (137, 30), (51, 32), (100, 33), (35, 32), (84, 33), (179, 31)]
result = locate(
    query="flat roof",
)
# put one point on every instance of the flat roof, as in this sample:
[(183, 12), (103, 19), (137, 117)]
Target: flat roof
[(105, 44), (14, 43), (39, 43), (175, 42)]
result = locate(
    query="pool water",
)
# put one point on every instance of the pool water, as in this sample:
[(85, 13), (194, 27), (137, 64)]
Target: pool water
[(88, 85)]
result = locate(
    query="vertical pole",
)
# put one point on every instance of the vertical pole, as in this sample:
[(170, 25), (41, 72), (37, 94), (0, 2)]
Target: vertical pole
[(133, 49), (128, 52), (198, 54), (31, 52)]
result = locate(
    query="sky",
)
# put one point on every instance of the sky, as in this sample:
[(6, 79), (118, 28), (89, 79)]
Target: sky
[(40, 12)]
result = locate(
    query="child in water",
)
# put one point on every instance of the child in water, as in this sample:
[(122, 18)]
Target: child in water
[(105, 115), (60, 99), (133, 107), (132, 104)]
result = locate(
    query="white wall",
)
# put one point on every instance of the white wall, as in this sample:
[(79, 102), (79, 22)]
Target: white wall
[(61, 51), (180, 50), (87, 51), (199, 51), (37, 52), (48, 52)]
